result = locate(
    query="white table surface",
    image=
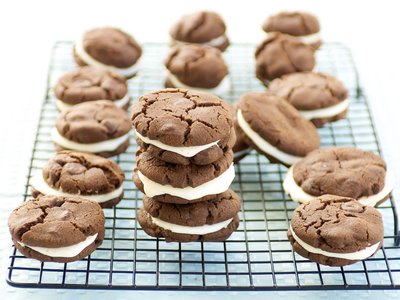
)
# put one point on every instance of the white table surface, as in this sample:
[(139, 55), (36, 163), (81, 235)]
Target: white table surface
[(29, 28)]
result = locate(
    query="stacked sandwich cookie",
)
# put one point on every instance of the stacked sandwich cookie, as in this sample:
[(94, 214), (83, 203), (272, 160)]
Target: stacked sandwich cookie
[(184, 165)]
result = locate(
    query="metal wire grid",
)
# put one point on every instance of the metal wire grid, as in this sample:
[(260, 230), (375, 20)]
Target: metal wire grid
[(258, 255)]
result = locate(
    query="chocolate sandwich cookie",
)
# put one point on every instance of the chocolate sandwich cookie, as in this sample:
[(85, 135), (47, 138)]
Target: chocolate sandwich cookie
[(275, 128), (88, 84), (319, 97), (88, 176), (213, 220), (97, 127), (281, 54), (183, 126), (342, 171), (181, 184), (56, 228), (203, 27), (109, 48), (241, 148), (336, 231), (302, 25), (197, 67)]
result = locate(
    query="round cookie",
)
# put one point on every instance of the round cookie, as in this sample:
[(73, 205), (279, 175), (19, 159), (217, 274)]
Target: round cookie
[(213, 220), (319, 97), (88, 176), (342, 171), (203, 27), (336, 231), (57, 229), (281, 54), (302, 25), (109, 48), (197, 67), (88, 84), (186, 126), (275, 128), (97, 127), (182, 184)]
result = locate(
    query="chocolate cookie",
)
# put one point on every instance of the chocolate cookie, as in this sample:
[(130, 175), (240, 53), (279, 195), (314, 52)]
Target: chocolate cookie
[(275, 128), (319, 97), (336, 231), (91, 83), (109, 48), (57, 229), (182, 184), (197, 67), (184, 125), (203, 27), (97, 127), (85, 175), (213, 220), (282, 54), (302, 25), (241, 148), (342, 171)]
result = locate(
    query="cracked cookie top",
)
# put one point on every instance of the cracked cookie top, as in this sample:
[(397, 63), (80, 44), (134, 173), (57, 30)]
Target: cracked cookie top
[(337, 224), (294, 23), (53, 221), (281, 54), (198, 27), (90, 83), (181, 176), (197, 65), (344, 171), (93, 121), (224, 207), (179, 117), (112, 46), (309, 90), (279, 123), (82, 173)]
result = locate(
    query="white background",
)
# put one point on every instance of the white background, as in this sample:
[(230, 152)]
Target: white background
[(29, 28)]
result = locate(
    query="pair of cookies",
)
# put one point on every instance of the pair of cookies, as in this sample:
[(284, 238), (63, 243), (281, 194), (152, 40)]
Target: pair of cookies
[(184, 165)]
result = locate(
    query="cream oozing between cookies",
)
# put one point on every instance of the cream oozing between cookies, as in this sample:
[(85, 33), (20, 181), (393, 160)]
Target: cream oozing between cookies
[(215, 186), (263, 144), (216, 42), (326, 112), (62, 106), (66, 251), (310, 38)]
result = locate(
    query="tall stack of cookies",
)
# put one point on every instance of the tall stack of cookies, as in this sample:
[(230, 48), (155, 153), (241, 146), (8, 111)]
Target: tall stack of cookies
[(184, 165)]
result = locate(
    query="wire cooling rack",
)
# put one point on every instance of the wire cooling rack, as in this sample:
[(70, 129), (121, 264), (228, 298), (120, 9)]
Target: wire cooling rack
[(258, 255)]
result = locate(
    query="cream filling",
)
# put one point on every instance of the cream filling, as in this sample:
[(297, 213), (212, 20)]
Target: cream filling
[(223, 87), (38, 183), (216, 42), (311, 38), (263, 144), (297, 194), (198, 230), (325, 112), (358, 255), (89, 60), (109, 145), (67, 251), (62, 106), (189, 151), (215, 186)]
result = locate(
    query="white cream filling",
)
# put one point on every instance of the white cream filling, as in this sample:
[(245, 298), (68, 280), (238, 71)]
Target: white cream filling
[(297, 194), (89, 60), (216, 42), (62, 106), (189, 151), (109, 145), (39, 184), (311, 38), (325, 112), (200, 230), (263, 144), (358, 255), (223, 87), (215, 186), (67, 251)]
